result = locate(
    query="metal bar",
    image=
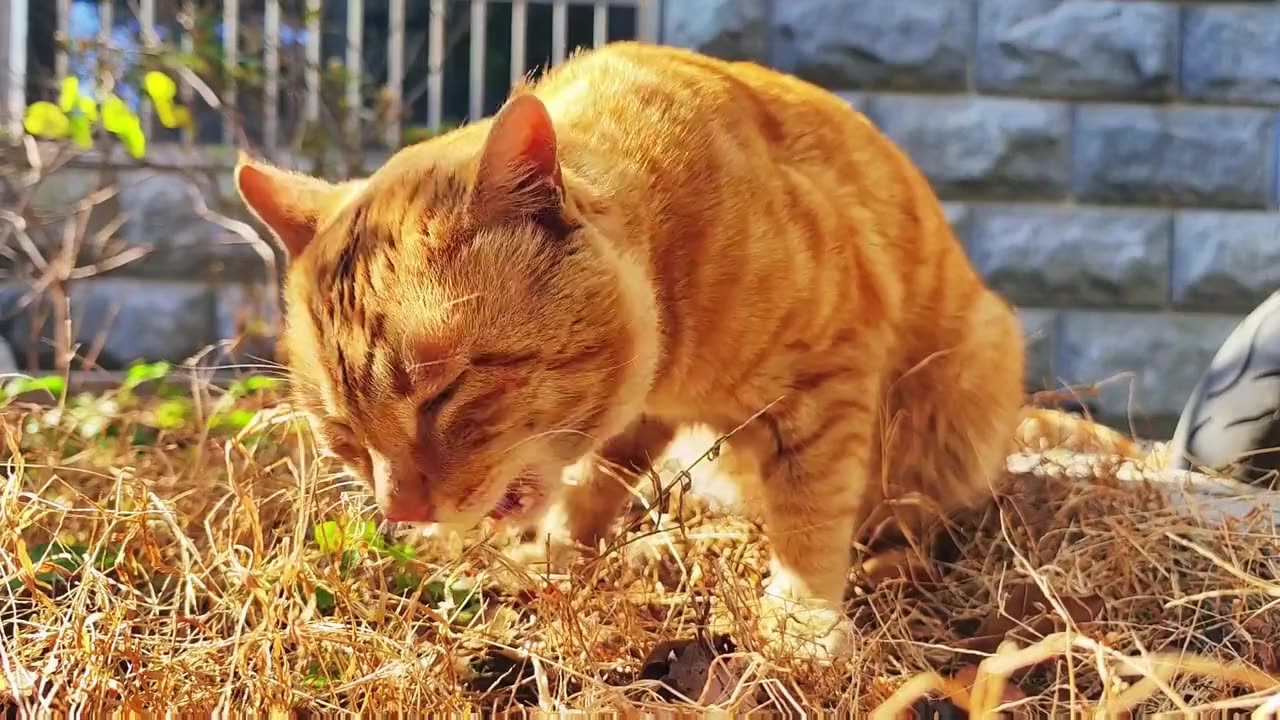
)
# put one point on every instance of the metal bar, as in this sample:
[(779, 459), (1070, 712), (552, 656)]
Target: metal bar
[(14, 73), (187, 44), (600, 24), (519, 31), (559, 31), (231, 61), (355, 46), (147, 17), (395, 71), (648, 20), (478, 26), (435, 64), (62, 40), (311, 75), (271, 77)]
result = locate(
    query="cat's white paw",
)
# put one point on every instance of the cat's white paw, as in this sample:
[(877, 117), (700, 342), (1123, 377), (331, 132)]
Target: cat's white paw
[(795, 626)]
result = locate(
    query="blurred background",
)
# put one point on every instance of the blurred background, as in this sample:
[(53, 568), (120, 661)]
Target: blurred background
[(1111, 165)]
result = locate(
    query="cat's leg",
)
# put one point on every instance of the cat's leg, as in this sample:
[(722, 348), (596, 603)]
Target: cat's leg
[(955, 418), (604, 480), (596, 491), (814, 461)]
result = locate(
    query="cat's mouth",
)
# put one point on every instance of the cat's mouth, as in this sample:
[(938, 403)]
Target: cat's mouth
[(525, 494)]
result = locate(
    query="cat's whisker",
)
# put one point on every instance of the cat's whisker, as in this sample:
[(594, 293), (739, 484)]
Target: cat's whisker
[(538, 436), (460, 300)]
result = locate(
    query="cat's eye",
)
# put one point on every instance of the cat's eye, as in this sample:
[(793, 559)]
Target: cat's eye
[(434, 404)]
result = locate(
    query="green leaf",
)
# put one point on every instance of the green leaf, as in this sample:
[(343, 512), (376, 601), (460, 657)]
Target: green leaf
[(52, 384), (160, 87), (70, 93), (328, 536), (317, 677), (260, 382), (350, 559), (325, 601), (172, 414), (46, 120), (140, 373)]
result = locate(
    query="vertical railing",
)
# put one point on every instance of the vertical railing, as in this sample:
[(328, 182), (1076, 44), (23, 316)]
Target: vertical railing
[(231, 58), (13, 63), (435, 63), (395, 71), (14, 55), (559, 30), (311, 74), (479, 23), (271, 77)]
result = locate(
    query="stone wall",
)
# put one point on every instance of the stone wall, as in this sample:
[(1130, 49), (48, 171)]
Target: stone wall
[(1111, 165), (198, 284)]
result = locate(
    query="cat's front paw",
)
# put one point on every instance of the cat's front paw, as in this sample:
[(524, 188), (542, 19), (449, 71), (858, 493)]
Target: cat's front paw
[(808, 628)]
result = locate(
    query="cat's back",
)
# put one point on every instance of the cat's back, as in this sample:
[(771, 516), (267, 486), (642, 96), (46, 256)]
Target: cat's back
[(694, 115)]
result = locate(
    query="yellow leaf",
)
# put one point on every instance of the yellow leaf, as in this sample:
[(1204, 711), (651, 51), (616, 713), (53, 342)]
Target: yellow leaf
[(182, 116), (44, 119), (116, 116), (164, 112), (82, 132), (24, 558), (160, 87), (135, 143), (88, 108), (70, 90)]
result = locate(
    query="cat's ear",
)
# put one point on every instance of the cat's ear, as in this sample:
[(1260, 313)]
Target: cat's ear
[(288, 203), (519, 170)]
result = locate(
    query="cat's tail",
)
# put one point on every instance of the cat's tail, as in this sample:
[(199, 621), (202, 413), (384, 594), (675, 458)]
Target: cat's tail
[(1041, 429)]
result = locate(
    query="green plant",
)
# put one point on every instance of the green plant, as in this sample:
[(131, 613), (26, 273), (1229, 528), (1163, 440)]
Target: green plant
[(75, 115), (352, 543)]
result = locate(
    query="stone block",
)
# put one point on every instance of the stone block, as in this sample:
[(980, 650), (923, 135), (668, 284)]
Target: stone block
[(247, 321), (150, 211), (1216, 157), (1040, 328), (1089, 49), (874, 44), (1232, 53), (729, 29), (8, 361), (1225, 261), (1085, 257), (137, 320), (162, 216), (972, 147), (1147, 363), (959, 217)]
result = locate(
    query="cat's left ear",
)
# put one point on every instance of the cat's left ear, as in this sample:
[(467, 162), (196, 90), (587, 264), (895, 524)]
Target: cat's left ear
[(518, 174), (288, 203)]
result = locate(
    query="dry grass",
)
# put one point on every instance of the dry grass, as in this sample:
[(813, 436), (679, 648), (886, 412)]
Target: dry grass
[(190, 578)]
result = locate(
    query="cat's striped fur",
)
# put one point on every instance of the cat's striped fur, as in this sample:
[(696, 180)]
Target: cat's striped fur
[(649, 237)]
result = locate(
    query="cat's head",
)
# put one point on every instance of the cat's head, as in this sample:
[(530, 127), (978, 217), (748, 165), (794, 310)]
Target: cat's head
[(455, 329)]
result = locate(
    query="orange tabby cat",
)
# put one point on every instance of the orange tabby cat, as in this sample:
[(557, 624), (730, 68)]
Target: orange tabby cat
[(646, 238)]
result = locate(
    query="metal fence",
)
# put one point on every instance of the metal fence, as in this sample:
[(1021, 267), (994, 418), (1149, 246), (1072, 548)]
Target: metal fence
[(15, 55)]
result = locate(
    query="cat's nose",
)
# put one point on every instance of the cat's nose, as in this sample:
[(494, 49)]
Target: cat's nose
[(408, 502)]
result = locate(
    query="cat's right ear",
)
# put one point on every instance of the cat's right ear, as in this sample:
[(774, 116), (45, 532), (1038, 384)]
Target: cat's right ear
[(288, 203)]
